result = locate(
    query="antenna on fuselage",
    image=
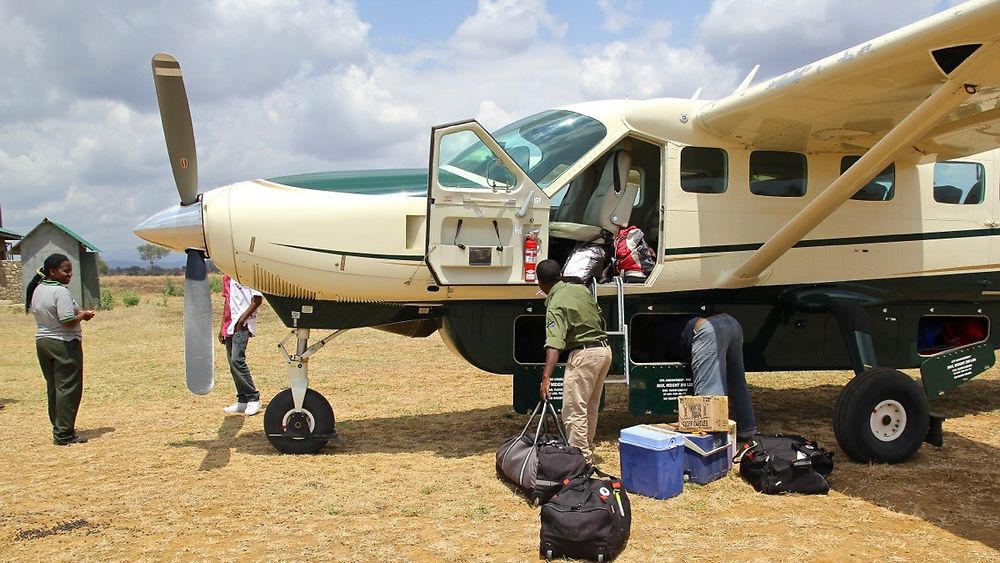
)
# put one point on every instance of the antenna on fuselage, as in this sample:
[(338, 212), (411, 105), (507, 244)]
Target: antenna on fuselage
[(696, 94), (746, 81)]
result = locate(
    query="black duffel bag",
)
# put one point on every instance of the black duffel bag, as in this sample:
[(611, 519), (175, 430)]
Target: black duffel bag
[(589, 518), (540, 462), (785, 463)]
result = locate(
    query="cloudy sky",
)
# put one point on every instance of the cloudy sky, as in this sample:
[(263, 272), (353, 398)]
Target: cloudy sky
[(287, 86)]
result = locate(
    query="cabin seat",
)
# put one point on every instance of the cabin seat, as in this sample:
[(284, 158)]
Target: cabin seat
[(975, 194), (947, 194), (609, 208), (577, 196)]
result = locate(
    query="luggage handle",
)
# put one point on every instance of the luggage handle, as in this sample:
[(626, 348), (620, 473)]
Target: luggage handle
[(689, 444), (547, 409)]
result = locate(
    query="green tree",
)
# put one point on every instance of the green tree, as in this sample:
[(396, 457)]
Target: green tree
[(151, 253), (102, 268)]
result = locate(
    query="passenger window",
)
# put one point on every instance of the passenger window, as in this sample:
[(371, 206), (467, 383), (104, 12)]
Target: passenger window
[(959, 182), (880, 188), (704, 170), (778, 173), (635, 179)]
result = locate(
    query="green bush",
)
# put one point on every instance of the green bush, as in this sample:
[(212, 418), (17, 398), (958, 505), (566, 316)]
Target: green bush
[(172, 289), (130, 298), (107, 301), (215, 284)]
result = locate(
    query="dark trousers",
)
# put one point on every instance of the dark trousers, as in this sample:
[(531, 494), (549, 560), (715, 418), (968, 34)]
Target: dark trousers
[(236, 353), (62, 366), (717, 367)]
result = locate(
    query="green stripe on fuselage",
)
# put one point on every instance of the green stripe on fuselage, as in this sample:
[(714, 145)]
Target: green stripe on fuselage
[(401, 181)]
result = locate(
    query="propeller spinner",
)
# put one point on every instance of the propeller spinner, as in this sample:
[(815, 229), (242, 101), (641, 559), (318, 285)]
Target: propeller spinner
[(181, 227)]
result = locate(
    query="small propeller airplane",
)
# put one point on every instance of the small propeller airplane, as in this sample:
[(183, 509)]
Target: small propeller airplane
[(847, 213)]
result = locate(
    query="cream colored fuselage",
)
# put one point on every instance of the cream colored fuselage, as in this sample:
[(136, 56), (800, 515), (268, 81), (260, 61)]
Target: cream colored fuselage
[(324, 245)]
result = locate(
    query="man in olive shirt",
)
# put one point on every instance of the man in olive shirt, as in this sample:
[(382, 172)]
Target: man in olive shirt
[(573, 322)]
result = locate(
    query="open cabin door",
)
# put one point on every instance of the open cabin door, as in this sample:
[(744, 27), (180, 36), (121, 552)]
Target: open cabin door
[(481, 206)]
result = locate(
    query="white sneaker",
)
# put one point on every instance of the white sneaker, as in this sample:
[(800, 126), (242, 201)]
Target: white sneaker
[(252, 408), (236, 407)]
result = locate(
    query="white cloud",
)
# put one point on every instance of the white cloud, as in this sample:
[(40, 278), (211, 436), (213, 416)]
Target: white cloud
[(287, 86), (618, 16), (504, 26), (782, 35)]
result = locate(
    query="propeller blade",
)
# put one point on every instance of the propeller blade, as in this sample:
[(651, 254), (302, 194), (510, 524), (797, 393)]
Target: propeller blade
[(177, 129), (199, 337)]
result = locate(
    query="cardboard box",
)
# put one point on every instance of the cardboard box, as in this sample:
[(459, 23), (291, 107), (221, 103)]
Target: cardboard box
[(703, 413)]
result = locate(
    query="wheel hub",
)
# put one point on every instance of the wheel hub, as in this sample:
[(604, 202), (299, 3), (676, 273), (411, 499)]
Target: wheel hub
[(888, 420), (298, 424)]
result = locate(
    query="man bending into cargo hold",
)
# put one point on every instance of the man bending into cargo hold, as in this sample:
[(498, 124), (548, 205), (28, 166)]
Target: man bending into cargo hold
[(573, 322)]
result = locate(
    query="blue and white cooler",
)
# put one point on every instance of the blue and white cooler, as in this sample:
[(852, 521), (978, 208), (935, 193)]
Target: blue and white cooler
[(707, 456), (652, 461)]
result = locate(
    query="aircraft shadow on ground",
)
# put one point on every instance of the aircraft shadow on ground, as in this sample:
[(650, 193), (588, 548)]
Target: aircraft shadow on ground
[(218, 451), (947, 487)]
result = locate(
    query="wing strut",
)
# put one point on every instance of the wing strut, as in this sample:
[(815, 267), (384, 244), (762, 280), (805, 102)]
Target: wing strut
[(914, 126)]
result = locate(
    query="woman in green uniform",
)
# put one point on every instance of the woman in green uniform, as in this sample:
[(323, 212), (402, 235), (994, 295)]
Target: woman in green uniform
[(58, 343)]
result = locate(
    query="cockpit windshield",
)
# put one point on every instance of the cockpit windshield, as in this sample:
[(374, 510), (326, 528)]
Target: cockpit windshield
[(543, 145)]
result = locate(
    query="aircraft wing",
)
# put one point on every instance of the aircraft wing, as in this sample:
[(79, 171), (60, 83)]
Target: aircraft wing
[(849, 101)]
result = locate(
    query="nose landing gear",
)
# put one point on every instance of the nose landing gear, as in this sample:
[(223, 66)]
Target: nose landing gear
[(299, 420)]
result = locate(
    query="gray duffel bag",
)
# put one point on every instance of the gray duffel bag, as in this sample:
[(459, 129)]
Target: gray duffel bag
[(538, 463)]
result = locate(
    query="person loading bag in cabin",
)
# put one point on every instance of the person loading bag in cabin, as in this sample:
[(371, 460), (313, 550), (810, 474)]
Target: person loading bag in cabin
[(573, 322)]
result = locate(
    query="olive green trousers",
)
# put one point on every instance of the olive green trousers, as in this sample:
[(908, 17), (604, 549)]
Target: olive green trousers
[(62, 366)]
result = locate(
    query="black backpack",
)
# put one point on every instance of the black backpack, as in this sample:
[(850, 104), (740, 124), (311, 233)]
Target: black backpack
[(786, 463), (590, 518), (539, 462)]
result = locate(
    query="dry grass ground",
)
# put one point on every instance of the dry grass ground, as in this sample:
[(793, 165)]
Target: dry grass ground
[(167, 476)]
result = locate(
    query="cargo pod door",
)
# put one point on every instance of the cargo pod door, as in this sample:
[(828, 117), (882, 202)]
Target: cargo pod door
[(480, 207)]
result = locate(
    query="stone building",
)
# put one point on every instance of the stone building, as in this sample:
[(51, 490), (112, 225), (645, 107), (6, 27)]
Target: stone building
[(49, 237), (11, 288)]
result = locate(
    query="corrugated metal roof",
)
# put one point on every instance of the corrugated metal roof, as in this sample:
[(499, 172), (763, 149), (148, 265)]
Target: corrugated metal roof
[(8, 234), (17, 247)]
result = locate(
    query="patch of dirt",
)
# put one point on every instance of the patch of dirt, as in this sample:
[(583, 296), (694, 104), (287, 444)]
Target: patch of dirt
[(169, 476)]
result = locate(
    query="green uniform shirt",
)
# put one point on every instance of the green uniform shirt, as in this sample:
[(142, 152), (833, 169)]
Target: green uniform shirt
[(571, 317)]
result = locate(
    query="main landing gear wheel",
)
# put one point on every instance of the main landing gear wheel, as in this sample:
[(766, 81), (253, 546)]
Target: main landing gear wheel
[(881, 416), (293, 432)]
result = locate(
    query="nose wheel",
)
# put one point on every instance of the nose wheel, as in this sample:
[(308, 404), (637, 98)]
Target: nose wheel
[(303, 431)]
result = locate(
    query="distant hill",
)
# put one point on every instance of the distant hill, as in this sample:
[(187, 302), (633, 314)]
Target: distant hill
[(167, 263)]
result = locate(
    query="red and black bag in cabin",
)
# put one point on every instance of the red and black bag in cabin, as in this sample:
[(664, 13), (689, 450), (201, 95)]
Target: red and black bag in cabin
[(786, 463), (589, 518), (540, 462), (634, 259)]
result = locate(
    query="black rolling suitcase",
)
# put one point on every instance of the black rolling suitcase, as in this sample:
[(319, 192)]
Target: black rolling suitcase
[(589, 518), (540, 462)]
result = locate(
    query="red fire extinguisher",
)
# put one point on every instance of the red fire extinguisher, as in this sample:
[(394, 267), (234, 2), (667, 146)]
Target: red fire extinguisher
[(530, 257)]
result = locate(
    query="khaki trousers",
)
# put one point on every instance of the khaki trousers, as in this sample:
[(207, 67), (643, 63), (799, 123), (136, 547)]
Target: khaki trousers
[(583, 384)]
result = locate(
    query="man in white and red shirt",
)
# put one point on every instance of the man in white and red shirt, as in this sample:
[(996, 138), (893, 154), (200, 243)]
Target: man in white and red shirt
[(239, 323)]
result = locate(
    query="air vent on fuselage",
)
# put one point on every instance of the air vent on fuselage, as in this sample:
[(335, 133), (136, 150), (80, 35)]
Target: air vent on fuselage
[(272, 284), (950, 58)]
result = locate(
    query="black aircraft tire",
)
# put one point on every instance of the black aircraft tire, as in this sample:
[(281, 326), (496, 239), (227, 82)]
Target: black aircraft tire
[(881, 416), (318, 409)]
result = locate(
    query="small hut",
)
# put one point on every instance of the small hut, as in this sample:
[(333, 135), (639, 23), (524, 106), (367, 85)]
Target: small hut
[(49, 237)]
